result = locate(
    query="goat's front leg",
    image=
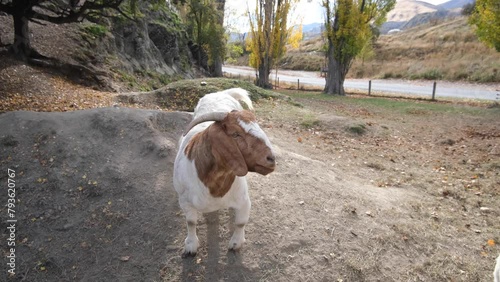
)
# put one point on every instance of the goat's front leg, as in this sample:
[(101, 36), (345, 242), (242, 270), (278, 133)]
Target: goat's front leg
[(241, 216), (191, 243)]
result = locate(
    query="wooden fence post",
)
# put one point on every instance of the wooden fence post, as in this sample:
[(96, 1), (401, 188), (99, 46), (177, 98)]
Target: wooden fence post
[(369, 87), (434, 91), (298, 84)]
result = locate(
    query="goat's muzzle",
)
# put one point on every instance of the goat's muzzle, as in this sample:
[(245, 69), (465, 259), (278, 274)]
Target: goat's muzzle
[(267, 166)]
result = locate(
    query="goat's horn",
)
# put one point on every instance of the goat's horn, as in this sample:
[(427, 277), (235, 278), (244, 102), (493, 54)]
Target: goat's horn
[(213, 116)]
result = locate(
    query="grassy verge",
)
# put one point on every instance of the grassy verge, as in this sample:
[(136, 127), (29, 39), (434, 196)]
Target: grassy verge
[(403, 106)]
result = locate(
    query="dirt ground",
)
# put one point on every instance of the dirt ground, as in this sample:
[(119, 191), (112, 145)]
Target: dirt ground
[(365, 190)]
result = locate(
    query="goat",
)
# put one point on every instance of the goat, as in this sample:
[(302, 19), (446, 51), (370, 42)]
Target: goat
[(221, 145), (496, 272)]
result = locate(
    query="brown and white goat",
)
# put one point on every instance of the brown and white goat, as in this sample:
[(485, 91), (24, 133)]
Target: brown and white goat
[(221, 145)]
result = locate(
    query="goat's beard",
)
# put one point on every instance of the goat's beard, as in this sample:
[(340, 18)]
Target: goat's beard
[(264, 170)]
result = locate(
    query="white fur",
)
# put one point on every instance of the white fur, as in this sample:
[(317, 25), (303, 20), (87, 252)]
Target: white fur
[(194, 196), (496, 272), (223, 101), (255, 130)]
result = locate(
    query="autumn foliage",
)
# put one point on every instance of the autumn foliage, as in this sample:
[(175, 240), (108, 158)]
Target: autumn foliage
[(486, 17), (348, 31), (269, 35)]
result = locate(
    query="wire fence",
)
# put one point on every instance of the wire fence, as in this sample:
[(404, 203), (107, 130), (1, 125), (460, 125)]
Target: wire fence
[(276, 83), (305, 86)]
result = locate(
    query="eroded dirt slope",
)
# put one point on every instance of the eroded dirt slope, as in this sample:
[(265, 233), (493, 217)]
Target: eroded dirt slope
[(94, 196)]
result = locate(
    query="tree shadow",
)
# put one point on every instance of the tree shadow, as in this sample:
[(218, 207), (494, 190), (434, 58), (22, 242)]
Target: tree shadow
[(220, 263), (78, 73)]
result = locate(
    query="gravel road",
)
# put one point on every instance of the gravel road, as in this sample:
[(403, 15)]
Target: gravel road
[(406, 87)]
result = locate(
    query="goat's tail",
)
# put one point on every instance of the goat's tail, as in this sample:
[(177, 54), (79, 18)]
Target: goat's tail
[(241, 95)]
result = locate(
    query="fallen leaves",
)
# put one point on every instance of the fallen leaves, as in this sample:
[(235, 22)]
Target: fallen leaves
[(35, 90), (42, 180)]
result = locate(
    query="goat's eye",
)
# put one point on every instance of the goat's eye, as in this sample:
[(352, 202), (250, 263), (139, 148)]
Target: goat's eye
[(235, 135)]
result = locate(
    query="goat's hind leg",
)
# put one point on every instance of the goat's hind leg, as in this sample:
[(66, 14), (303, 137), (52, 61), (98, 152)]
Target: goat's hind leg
[(191, 243), (241, 216)]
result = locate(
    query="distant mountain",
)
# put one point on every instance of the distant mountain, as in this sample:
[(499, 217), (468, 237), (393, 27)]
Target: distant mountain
[(308, 31), (427, 17), (410, 13), (312, 30), (450, 5), (313, 27), (405, 10)]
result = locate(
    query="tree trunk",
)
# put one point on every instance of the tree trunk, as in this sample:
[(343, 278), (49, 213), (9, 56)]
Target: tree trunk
[(264, 71), (198, 36), (336, 74), (218, 60), (22, 45), (265, 51), (335, 78)]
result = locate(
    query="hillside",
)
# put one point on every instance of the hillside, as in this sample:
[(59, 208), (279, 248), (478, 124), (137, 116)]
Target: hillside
[(410, 13), (405, 10), (116, 53), (447, 49), (454, 4)]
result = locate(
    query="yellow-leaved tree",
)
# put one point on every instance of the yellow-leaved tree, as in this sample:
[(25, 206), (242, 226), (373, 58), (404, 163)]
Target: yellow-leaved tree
[(486, 17), (268, 36), (295, 36), (347, 32)]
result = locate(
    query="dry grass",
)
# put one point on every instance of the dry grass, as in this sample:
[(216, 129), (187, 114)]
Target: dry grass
[(449, 51)]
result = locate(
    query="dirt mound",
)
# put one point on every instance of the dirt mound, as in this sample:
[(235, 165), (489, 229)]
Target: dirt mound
[(94, 196)]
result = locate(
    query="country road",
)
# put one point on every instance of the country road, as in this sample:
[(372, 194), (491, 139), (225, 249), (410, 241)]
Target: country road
[(419, 88)]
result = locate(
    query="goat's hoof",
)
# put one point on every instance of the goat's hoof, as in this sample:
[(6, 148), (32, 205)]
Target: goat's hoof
[(188, 254), (233, 246), (236, 242)]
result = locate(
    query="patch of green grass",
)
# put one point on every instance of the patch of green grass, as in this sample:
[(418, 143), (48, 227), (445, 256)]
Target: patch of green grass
[(432, 74), (358, 129), (218, 84), (95, 30), (375, 166), (310, 121), (484, 76), (184, 94), (403, 106), (297, 104), (308, 94), (415, 107), (126, 77)]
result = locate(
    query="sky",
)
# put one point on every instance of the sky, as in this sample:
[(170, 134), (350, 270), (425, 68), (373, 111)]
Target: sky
[(309, 11)]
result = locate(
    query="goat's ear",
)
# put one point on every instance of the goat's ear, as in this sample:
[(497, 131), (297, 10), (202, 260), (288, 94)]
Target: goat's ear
[(226, 147)]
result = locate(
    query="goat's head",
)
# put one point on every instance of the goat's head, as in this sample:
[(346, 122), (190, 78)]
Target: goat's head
[(239, 141)]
